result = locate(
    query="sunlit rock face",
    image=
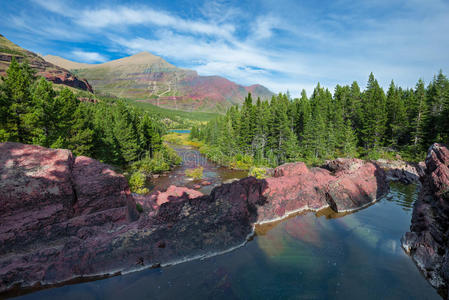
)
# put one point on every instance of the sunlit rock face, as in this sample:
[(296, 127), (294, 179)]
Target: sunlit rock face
[(64, 217), (427, 242)]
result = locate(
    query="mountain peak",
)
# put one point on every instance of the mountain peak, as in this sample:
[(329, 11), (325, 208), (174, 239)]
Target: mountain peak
[(141, 58), (144, 54)]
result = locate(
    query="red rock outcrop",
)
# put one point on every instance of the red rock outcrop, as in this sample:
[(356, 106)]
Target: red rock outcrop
[(64, 217), (51, 72), (428, 240), (50, 205), (343, 184)]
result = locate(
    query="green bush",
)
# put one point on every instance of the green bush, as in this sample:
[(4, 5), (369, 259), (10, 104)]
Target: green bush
[(171, 156), (258, 172), (137, 183), (161, 161), (196, 173)]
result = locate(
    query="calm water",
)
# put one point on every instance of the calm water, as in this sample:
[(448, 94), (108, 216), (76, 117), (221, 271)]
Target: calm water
[(324, 256), (180, 130)]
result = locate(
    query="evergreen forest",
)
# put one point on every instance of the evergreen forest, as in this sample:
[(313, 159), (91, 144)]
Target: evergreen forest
[(350, 122)]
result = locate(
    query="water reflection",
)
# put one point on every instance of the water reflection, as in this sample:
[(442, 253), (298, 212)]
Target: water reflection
[(403, 195), (322, 256)]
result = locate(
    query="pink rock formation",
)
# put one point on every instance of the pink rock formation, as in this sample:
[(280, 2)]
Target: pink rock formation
[(427, 242), (63, 217), (174, 193), (352, 184)]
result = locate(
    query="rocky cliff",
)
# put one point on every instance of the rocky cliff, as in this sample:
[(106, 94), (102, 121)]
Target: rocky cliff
[(64, 217), (51, 72), (428, 240)]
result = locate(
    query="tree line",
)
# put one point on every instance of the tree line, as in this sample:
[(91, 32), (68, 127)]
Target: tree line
[(33, 112), (350, 122)]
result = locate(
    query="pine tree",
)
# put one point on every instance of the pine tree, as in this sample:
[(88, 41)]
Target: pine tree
[(437, 95), (16, 89), (65, 106), (397, 122), (418, 107), (81, 140), (349, 143), (355, 107), (303, 112), (374, 114), (247, 122), (46, 113), (125, 135)]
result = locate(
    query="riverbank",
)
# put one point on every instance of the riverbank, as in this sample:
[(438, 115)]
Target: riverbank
[(396, 168)]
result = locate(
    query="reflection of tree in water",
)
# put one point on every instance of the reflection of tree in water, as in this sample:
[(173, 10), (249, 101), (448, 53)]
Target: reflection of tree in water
[(403, 195)]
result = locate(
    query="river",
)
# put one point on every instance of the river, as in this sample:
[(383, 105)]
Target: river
[(308, 256), (192, 158)]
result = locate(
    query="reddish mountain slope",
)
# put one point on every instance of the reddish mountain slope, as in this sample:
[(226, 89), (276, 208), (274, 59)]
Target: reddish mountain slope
[(149, 78)]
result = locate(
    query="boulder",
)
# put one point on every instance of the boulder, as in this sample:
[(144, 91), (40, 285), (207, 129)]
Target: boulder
[(398, 170), (356, 185), (427, 242), (291, 169), (342, 184), (55, 208)]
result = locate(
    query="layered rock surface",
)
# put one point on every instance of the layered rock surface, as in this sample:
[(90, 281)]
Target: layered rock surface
[(427, 242), (63, 217)]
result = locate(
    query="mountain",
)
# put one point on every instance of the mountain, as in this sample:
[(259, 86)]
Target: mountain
[(149, 78), (50, 71)]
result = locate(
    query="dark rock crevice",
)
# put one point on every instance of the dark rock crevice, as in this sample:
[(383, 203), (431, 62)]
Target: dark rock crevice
[(427, 241)]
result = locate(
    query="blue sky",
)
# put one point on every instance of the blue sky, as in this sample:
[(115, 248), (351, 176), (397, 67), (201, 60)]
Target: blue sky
[(284, 45)]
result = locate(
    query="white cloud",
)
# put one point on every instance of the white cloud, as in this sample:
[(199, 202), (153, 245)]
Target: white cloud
[(88, 57), (284, 46), (121, 15)]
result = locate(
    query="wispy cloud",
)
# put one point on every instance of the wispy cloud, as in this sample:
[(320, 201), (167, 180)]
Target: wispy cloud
[(122, 16), (88, 57), (284, 44)]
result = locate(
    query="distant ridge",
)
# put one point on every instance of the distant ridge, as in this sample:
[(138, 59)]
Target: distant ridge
[(149, 78), (65, 63)]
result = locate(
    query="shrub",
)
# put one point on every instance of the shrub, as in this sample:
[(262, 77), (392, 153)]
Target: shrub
[(173, 138), (259, 173), (137, 183), (196, 173), (161, 161), (139, 208), (171, 156), (242, 162)]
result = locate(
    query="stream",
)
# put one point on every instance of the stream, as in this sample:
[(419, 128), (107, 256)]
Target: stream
[(192, 158)]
